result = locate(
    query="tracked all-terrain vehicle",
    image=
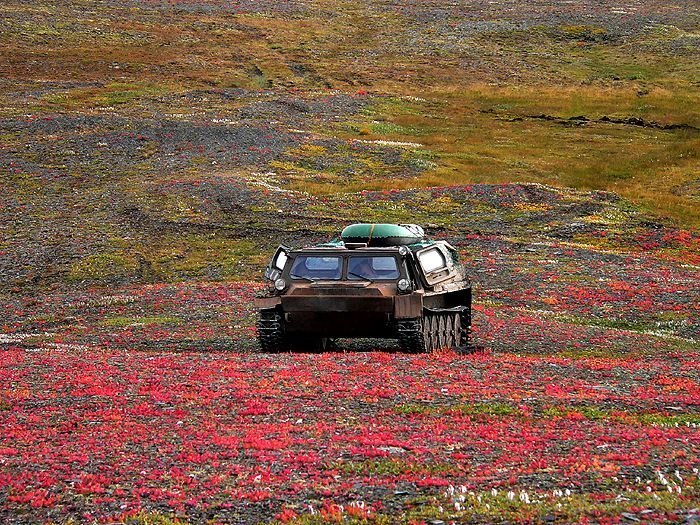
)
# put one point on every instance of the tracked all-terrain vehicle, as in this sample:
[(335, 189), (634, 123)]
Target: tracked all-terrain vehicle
[(377, 280)]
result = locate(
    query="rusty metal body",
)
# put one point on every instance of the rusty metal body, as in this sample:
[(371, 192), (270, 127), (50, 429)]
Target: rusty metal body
[(339, 290)]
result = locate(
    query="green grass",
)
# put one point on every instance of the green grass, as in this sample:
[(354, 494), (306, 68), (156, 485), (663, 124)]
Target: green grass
[(618, 324), (391, 467), (414, 408), (505, 409), (489, 409), (600, 353), (104, 267), (657, 322), (318, 519), (121, 322), (478, 408), (670, 420), (111, 94), (153, 518), (171, 257), (142, 518), (594, 413)]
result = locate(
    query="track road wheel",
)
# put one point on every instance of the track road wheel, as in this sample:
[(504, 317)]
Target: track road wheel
[(437, 332), (449, 331), (430, 332), (443, 332), (454, 328)]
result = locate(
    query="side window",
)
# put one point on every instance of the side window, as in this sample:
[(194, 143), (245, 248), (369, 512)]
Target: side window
[(431, 260)]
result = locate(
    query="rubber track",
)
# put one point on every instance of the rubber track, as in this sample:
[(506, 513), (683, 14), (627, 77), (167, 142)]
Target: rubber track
[(271, 332), (411, 338)]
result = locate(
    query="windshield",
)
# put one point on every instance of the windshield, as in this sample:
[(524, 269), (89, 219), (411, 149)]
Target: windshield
[(316, 267), (371, 267)]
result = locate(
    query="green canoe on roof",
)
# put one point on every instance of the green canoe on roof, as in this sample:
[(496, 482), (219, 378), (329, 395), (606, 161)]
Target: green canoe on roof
[(382, 234)]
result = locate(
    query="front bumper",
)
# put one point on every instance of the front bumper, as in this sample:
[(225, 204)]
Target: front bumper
[(344, 316)]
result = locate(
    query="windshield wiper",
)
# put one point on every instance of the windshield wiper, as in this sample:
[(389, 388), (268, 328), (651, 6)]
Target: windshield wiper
[(361, 277), (294, 276)]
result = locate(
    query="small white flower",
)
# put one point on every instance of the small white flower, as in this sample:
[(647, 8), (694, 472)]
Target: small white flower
[(511, 495), (661, 477), (494, 492)]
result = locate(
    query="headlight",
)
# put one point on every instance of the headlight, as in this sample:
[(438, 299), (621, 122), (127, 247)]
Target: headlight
[(280, 284), (404, 285)]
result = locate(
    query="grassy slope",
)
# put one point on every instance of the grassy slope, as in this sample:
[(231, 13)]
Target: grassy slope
[(485, 93)]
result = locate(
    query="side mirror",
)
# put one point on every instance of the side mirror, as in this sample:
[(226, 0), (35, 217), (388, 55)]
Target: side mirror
[(277, 263), (434, 263)]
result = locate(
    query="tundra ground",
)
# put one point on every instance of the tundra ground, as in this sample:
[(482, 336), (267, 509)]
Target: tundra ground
[(153, 154)]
